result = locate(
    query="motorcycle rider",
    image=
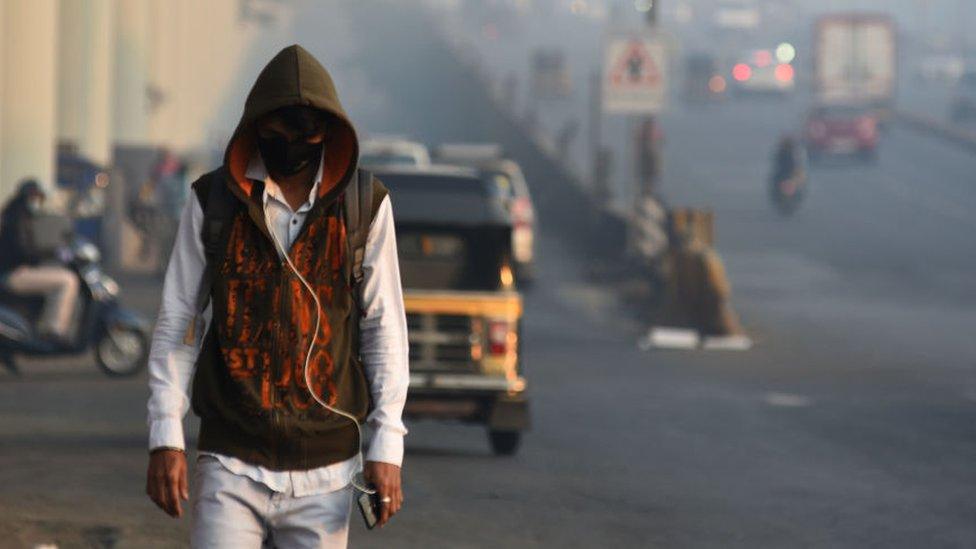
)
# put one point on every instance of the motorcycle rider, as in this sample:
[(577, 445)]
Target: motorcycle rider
[(788, 178), (788, 160), (21, 271)]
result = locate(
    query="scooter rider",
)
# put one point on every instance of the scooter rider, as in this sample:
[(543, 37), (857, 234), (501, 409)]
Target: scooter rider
[(21, 271), (788, 160)]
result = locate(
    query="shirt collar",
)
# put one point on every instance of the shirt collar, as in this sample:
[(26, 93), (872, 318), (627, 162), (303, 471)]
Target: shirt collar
[(257, 171)]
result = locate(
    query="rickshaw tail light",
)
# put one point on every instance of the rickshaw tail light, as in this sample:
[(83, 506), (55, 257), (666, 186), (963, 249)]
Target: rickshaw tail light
[(498, 337)]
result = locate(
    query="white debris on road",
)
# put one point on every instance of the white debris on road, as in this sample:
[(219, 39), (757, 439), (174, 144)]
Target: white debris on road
[(787, 400)]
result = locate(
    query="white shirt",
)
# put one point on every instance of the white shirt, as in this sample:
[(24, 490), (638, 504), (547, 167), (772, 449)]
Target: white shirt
[(383, 344)]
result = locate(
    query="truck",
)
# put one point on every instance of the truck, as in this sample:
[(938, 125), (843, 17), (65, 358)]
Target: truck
[(855, 60), (454, 238)]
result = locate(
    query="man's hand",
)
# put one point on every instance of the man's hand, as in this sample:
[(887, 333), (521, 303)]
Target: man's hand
[(166, 480), (386, 478)]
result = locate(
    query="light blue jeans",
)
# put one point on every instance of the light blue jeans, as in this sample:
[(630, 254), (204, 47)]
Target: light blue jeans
[(234, 512)]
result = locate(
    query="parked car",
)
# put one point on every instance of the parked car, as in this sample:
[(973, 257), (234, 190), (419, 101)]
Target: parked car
[(393, 151), (511, 186), (842, 130), (463, 312)]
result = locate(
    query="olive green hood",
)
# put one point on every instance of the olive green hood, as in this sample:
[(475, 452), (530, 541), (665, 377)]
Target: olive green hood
[(294, 77)]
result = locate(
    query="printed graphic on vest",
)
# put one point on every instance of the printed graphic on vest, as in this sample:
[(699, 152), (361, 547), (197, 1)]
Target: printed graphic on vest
[(270, 316)]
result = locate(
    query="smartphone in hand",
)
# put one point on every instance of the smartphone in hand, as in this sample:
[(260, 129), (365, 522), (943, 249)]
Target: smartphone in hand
[(369, 506)]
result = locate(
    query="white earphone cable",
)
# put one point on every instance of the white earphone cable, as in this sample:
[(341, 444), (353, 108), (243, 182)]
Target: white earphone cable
[(311, 346)]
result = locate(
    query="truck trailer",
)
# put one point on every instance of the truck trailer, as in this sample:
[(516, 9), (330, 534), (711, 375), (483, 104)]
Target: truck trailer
[(855, 60)]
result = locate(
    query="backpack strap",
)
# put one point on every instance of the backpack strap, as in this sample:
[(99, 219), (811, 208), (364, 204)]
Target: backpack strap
[(358, 211), (361, 201), (219, 207)]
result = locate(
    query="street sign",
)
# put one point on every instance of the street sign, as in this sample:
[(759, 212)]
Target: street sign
[(634, 75)]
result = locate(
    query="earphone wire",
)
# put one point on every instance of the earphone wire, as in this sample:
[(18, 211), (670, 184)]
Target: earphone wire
[(311, 347)]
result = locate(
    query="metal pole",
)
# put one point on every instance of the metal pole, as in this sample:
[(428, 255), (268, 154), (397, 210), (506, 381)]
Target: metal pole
[(596, 137), (652, 13), (647, 164)]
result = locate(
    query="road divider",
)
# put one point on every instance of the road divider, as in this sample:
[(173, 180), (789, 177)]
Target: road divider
[(683, 339), (686, 282), (947, 132)]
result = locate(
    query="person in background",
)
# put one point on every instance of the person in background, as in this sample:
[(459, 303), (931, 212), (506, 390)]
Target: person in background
[(275, 464), (21, 271), (169, 177), (788, 159), (169, 185)]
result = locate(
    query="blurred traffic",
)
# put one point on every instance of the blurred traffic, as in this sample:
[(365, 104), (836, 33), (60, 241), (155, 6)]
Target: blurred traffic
[(676, 272)]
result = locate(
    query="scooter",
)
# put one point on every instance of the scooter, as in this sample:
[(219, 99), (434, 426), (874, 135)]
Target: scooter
[(119, 336), (786, 191)]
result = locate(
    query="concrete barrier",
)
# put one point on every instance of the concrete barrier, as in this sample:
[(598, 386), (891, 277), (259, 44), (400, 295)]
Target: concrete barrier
[(698, 294)]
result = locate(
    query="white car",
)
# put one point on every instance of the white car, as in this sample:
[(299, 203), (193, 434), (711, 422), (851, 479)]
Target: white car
[(466, 153), (760, 71), (393, 152)]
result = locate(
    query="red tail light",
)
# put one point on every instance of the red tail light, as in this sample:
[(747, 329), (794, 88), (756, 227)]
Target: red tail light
[(817, 129), (521, 213), (866, 127), (785, 72), (498, 331), (742, 72)]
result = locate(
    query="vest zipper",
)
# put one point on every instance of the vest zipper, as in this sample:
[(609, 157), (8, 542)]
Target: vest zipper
[(276, 361), (284, 310)]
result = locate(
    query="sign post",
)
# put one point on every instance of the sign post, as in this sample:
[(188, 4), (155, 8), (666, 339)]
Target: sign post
[(635, 83)]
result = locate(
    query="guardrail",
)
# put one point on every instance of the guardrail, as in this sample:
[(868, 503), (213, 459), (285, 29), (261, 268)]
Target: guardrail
[(556, 188)]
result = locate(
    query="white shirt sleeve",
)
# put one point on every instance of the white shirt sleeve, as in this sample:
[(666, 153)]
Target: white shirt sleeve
[(171, 362), (383, 339)]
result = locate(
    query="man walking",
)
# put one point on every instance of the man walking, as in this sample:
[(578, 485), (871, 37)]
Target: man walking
[(305, 336)]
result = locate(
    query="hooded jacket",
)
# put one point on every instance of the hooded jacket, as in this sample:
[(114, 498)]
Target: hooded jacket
[(249, 387)]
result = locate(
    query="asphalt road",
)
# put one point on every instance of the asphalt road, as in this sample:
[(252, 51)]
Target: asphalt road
[(851, 424)]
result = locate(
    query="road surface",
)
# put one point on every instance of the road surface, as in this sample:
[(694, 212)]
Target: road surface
[(851, 424)]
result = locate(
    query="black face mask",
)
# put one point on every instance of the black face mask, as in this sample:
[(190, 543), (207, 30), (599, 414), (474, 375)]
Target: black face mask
[(285, 158)]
